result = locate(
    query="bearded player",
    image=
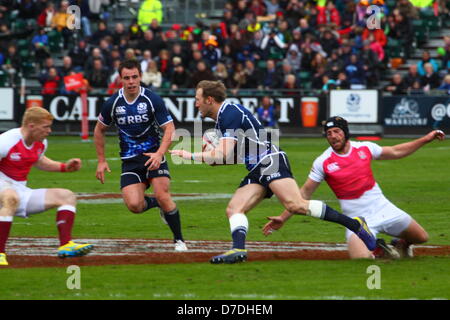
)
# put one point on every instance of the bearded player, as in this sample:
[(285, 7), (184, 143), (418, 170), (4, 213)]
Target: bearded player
[(23, 148), (345, 166)]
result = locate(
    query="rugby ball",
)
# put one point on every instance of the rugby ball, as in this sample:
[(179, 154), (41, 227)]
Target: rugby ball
[(210, 141)]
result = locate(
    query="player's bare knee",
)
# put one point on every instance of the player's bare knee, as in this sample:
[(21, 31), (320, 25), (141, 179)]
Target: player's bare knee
[(66, 197), (10, 199), (135, 207)]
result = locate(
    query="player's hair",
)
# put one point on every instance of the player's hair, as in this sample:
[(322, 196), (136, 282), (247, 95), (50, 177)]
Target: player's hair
[(130, 64), (36, 115), (214, 89)]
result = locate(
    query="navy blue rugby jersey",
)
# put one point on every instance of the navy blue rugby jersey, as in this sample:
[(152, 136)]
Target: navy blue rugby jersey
[(254, 143), (138, 122)]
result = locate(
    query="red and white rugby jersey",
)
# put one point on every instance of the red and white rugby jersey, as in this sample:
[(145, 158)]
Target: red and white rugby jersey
[(16, 158), (349, 175)]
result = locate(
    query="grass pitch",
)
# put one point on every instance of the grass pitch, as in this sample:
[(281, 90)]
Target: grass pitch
[(418, 184)]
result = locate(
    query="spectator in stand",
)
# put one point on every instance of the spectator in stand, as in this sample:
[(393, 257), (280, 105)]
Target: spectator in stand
[(130, 54), (202, 73), (328, 15), (28, 9), (152, 77), (177, 51), (378, 35), (266, 113), (97, 76), (134, 35), (146, 58), (334, 65), (295, 10), (46, 16), (370, 63), (66, 68), (79, 55), (86, 16), (407, 9), (11, 64), (105, 47), (43, 74), (328, 83), (180, 77), (412, 76), (272, 6), (272, 44), (221, 73), (426, 58), (193, 62), (164, 62), (245, 54), (294, 58), (329, 42), (118, 33), (342, 82), (416, 88), (257, 7), (397, 85), (227, 58), (290, 85), (271, 78), (430, 80), (307, 58), (157, 29), (101, 33), (151, 42), (238, 78), (52, 82), (240, 10), (319, 61), (252, 75), (59, 22), (211, 53), (96, 53), (40, 46), (115, 82), (285, 32), (355, 71), (446, 84), (149, 10)]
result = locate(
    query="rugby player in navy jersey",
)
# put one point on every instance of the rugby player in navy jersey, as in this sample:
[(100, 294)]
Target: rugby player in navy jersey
[(242, 137), (145, 130)]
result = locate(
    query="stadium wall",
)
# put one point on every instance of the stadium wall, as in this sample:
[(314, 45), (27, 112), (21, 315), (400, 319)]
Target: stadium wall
[(395, 115)]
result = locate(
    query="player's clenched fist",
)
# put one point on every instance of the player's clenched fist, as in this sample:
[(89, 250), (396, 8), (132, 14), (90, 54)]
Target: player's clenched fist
[(73, 165)]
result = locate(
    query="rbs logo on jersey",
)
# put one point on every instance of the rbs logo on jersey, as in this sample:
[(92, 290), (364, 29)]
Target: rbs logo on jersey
[(133, 119)]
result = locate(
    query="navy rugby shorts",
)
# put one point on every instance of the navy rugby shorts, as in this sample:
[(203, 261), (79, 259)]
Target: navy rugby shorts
[(134, 171), (271, 168)]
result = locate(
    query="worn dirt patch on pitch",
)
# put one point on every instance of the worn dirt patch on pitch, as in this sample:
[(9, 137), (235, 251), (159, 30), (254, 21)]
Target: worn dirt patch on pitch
[(41, 252)]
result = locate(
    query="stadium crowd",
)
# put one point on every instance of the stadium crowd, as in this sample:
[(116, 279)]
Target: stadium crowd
[(265, 44)]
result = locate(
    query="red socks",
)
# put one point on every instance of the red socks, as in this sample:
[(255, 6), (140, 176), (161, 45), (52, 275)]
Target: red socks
[(64, 222), (5, 227)]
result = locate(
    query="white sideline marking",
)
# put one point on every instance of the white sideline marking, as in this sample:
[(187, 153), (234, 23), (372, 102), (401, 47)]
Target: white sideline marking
[(212, 196)]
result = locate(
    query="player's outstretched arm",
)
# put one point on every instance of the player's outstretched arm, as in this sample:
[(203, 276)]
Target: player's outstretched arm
[(222, 154), (47, 164), (99, 141), (405, 149)]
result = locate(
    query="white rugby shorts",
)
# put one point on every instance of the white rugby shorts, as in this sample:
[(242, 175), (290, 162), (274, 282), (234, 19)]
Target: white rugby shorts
[(381, 215), (31, 201)]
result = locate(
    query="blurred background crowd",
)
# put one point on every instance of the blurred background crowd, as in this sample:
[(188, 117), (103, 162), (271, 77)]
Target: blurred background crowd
[(254, 44)]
